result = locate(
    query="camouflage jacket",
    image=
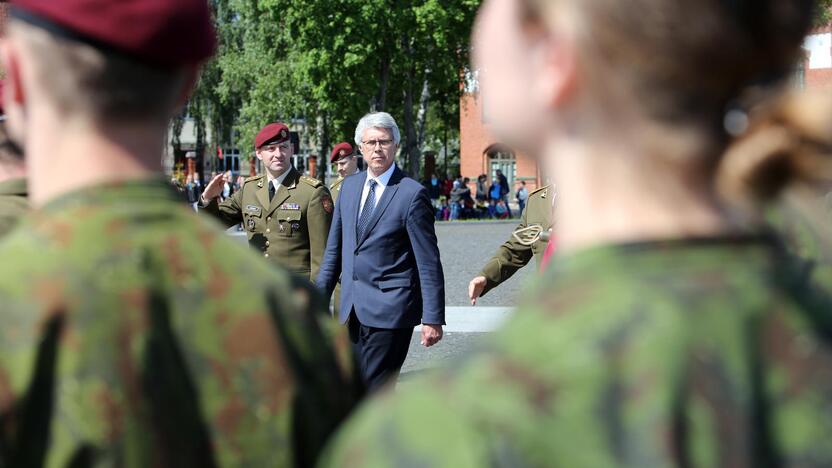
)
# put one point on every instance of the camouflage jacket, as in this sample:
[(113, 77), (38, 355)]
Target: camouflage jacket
[(13, 203), (135, 334), (678, 354)]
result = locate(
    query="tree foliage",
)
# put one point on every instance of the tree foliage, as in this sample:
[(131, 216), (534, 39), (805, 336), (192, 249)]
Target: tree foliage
[(329, 62)]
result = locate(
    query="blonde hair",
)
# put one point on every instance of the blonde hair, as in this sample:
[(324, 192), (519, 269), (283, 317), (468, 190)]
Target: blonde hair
[(716, 67)]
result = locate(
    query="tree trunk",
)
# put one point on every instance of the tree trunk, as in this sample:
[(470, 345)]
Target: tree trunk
[(323, 138), (380, 100), (422, 115)]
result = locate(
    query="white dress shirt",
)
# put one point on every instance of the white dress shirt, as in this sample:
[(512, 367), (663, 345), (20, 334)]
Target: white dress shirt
[(382, 182), (279, 180)]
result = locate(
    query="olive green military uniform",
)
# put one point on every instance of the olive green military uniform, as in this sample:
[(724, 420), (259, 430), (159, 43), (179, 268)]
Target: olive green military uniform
[(13, 203), (699, 353), (291, 229), (140, 335), (335, 188), (525, 242)]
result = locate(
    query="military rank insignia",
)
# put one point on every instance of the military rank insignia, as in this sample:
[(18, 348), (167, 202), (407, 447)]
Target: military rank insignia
[(326, 201)]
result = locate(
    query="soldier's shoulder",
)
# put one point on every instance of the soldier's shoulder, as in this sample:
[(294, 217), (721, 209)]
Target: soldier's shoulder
[(541, 192), (337, 183), (315, 183), (253, 178)]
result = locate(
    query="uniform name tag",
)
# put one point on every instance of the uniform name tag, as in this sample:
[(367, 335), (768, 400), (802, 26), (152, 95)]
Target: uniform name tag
[(290, 206), (253, 209)]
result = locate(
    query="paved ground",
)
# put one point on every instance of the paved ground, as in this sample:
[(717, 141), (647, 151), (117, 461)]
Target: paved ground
[(465, 247)]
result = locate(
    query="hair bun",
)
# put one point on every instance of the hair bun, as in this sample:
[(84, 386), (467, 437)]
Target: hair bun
[(788, 142)]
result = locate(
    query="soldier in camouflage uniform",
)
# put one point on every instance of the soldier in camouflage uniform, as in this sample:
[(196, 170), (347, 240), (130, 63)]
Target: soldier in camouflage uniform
[(669, 332), (528, 240), (13, 193), (134, 333), (285, 214)]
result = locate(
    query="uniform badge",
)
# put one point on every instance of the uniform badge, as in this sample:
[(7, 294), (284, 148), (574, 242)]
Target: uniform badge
[(253, 210), (251, 225), (260, 183), (295, 226), (326, 201), (290, 206), (528, 235)]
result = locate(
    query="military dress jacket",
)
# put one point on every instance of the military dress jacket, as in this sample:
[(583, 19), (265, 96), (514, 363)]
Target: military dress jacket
[(335, 188), (13, 203), (686, 353), (525, 242), (291, 229), (135, 334)]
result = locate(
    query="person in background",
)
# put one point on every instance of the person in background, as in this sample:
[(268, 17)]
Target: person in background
[(434, 188), (522, 195), (346, 163), (285, 214), (134, 333), (528, 240), (228, 185), (14, 201), (504, 190), (672, 329), (383, 245)]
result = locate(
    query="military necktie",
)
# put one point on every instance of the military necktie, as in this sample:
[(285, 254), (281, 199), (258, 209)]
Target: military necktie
[(367, 211), (272, 190)]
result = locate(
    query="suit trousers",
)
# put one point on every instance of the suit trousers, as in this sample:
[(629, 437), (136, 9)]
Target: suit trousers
[(380, 351)]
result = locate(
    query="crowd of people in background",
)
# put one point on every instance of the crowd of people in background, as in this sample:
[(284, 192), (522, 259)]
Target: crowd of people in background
[(454, 199)]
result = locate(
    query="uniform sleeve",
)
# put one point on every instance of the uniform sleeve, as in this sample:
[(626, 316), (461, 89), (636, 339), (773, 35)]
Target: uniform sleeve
[(229, 212), (510, 257), (319, 219)]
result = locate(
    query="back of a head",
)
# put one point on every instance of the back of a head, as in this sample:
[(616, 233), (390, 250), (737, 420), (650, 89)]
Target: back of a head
[(129, 61), (693, 66)]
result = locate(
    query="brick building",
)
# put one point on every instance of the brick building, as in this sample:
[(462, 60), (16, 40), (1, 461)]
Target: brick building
[(480, 153)]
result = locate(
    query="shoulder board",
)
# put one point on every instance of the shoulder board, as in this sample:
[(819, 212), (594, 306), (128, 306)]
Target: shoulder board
[(541, 189), (253, 178), (311, 181)]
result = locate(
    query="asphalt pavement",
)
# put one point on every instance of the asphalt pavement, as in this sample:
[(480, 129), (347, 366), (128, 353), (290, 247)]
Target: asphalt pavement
[(465, 247)]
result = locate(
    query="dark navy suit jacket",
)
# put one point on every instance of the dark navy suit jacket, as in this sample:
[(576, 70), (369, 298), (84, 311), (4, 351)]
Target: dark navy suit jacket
[(392, 277)]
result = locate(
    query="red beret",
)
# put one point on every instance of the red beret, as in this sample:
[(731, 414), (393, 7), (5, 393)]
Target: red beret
[(165, 33), (340, 150), (272, 133)]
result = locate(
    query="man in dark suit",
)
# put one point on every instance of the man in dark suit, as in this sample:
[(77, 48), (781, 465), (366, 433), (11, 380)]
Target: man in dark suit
[(382, 244)]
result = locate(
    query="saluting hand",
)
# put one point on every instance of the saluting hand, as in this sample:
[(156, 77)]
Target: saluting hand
[(214, 188), (431, 334), (475, 288)]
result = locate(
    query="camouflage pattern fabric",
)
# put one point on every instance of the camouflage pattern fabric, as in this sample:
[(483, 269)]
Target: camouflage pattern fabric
[(135, 334), (13, 203), (680, 354)]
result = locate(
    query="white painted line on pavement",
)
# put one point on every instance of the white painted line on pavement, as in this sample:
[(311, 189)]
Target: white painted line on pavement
[(474, 319)]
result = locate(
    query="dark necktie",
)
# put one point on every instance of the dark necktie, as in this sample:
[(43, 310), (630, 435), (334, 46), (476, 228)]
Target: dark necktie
[(272, 191), (367, 211)]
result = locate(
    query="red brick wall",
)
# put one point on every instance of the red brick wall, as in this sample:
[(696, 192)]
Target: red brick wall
[(474, 139), (817, 78)]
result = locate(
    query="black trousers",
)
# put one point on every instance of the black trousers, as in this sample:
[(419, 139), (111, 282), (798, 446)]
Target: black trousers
[(380, 351)]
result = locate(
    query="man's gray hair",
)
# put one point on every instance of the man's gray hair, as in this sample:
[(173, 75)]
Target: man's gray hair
[(377, 120)]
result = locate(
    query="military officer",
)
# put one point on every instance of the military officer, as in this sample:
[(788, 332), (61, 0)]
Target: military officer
[(13, 193), (285, 214), (345, 160), (528, 240)]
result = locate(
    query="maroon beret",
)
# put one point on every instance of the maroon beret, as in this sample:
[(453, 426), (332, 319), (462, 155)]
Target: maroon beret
[(165, 33), (272, 133), (340, 150)]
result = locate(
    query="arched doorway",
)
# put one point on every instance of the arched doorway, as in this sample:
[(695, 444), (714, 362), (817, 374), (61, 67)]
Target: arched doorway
[(500, 157)]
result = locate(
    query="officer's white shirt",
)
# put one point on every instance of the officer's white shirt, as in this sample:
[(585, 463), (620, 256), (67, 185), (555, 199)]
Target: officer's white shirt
[(279, 180), (382, 182)]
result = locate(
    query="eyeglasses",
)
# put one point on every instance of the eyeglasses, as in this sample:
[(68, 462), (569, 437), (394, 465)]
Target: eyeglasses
[(381, 143)]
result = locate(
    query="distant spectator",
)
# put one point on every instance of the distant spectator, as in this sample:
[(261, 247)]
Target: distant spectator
[(504, 189), (501, 210), (482, 189), (434, 188), (228, 185), (459, 195), (522, 196), (495, 193)]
